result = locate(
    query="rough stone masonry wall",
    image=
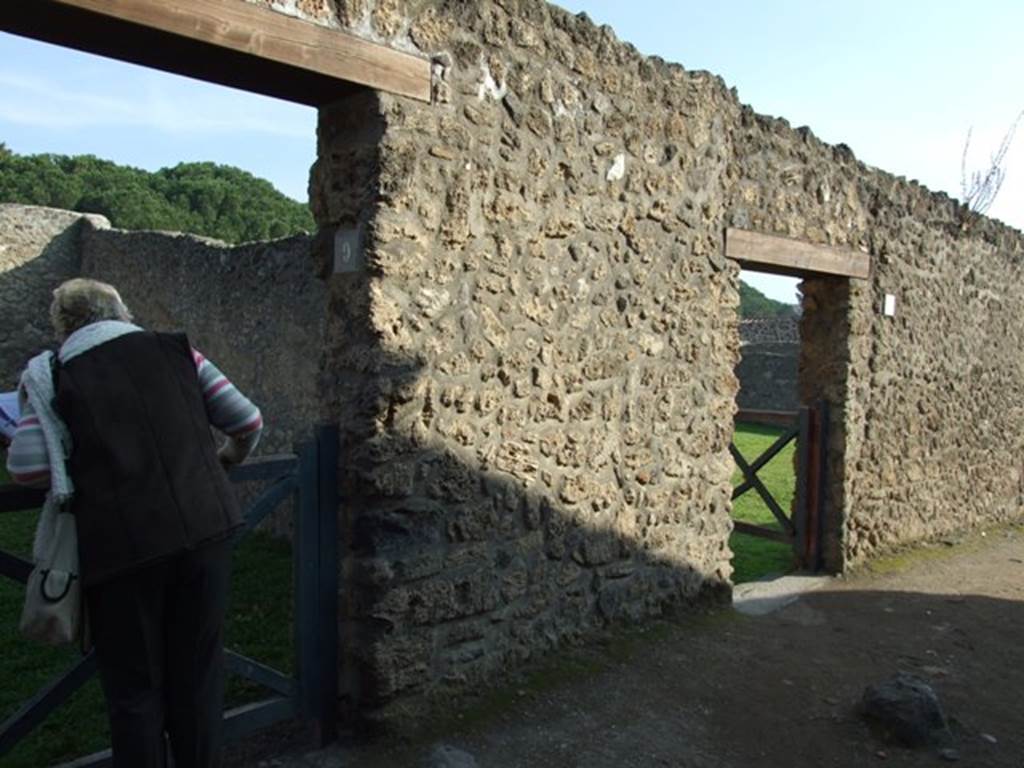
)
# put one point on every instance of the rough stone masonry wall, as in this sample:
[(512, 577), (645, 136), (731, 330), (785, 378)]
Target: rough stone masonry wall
[(533, 373), (769, 364), (256, 310), (926, 422), (38, 250)]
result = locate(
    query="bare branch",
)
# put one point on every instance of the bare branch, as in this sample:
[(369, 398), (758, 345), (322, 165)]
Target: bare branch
[(980, 188)]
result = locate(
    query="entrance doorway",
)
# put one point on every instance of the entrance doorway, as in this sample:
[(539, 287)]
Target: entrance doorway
[(786, 499)]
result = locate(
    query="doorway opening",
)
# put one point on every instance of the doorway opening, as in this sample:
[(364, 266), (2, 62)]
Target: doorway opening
[(766, 437), (786, 508)]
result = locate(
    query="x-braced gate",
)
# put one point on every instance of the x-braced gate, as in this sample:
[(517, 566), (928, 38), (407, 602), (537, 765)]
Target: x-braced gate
[(311, 695), (801, 527)]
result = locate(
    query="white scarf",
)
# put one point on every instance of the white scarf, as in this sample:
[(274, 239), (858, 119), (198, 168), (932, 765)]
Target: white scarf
[(93, 335), (37, 388)]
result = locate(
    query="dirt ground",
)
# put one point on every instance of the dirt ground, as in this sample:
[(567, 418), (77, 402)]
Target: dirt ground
[(725, 690)]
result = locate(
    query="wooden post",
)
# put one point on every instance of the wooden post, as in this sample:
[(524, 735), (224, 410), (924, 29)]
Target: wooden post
[(803, 468)]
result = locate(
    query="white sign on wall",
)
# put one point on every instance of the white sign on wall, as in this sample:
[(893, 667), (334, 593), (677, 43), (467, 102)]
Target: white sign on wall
[(889, 305)]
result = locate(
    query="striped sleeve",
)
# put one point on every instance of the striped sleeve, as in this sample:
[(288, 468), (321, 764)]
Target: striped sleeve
[(228, 409), (27, 459)]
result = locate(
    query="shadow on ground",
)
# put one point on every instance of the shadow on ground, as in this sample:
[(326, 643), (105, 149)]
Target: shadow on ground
[(727, 690)]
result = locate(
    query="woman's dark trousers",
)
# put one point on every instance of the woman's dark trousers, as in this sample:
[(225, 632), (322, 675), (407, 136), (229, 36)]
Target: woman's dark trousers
[(158, 634)]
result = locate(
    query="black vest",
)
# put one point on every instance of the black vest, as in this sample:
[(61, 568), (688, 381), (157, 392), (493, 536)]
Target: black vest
[(148, 483)]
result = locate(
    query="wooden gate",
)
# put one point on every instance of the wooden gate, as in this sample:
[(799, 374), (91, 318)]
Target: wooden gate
[(802, 526), (311, 694)]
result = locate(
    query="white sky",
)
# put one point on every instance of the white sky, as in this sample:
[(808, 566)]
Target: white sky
[(899, 82)]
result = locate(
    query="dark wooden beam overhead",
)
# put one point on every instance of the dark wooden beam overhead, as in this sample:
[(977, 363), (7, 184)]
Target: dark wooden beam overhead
[(230, 42), (784, 256)]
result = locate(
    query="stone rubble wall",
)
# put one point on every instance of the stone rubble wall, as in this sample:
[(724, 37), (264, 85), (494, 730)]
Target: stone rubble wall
[(926, 427), (769, 364), (769, 330), (534, 371), (769, 377), (536, 365), (39, 249), (256, 310)]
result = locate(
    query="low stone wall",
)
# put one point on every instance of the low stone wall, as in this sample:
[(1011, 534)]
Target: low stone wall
[(768, 376), (769, 364), (39, 249), (256, 310), (770, 330)]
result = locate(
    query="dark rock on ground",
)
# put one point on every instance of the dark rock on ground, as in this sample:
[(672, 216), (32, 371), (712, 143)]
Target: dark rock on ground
[(905, 710)]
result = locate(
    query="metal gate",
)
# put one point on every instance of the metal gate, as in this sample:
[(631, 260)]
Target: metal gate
[(802, 526), (311, 694)]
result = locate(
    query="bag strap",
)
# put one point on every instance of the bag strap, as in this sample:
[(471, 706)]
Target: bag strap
[(55, 366)]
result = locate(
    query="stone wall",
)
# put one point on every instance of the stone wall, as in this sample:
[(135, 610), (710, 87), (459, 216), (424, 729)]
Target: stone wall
[(532, 361), (39, 249), (926, 426), (769, 364), (769, 330), (534, 371), (257, 310)]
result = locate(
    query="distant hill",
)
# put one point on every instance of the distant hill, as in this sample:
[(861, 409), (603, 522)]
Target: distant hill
[(218, 201), (753, 303)]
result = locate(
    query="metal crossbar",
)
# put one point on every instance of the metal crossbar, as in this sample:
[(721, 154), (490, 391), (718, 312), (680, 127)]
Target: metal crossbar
[(311, 694)]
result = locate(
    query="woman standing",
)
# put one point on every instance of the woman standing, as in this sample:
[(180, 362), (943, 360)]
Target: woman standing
[(154, 512)]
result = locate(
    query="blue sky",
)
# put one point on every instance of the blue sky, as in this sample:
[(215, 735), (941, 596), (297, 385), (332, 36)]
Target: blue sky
[(899, 82)]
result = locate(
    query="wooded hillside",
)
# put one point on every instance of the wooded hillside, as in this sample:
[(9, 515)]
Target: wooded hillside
[(208, 199)]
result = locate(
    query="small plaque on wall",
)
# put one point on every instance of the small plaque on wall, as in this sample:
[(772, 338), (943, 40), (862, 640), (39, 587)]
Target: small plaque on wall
[(348, 250), (889, 305)]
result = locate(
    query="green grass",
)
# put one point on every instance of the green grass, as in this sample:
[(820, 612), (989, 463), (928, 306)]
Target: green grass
[(259, 625), (754, 557)]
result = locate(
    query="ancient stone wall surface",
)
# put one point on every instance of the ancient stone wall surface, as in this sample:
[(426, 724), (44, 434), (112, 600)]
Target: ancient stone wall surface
[(769, 362), (769, 330), (533, 370), (535, 367), (39, 249), (926, 427), (256, 310), (768, 377)]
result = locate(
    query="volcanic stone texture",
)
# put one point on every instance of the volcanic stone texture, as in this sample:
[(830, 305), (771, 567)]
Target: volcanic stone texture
[(533, 370)]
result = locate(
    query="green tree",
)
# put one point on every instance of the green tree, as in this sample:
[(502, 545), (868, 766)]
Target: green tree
[(202, 198), (753, 303)]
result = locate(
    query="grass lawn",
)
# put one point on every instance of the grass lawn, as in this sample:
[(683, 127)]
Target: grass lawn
[(259, 625), (754, 557)]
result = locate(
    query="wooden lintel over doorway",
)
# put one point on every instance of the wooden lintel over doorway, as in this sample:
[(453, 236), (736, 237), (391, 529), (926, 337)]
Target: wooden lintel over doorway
[(231, 42), (784, 256)]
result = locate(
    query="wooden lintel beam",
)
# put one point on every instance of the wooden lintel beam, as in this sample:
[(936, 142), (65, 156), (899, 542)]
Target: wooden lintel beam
[(784, 256), (232, 42)]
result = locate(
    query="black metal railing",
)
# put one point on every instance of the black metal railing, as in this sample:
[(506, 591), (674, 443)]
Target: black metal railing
[(310, 694)]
